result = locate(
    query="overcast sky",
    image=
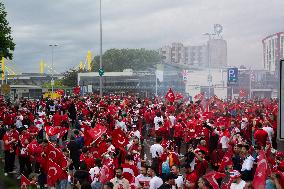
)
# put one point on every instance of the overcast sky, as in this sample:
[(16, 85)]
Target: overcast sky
[(74, 26)]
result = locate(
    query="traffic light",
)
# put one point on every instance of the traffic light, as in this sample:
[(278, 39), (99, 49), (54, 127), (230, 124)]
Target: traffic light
[(101, 72)]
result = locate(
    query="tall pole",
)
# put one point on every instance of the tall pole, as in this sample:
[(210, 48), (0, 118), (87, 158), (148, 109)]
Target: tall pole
[(209, 64), (101, 50), (250, 83), (156, 93), (52, 67)]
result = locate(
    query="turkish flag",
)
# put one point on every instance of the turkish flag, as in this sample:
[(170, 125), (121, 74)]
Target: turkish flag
[(50, 130), (54, 173), (97, 131), (178, 96), (260, 172), (76, 90), (25, 183), (119, 138), (242, 93), (63, 131), (227, 160), (170, 96), (199, 96), (106, 173), (212, 178), (56, 155)]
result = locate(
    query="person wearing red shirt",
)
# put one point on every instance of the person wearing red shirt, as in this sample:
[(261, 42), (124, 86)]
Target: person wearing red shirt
[(201, 164), (24, 160), (57, 119), (129, 171), (190, 178), (10, 139), (178, 133), (260, 136)]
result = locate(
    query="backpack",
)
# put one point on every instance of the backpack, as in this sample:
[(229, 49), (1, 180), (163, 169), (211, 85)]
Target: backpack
[(166, 167)]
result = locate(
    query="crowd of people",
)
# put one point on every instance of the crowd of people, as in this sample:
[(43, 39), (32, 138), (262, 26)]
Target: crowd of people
[(125, 142)]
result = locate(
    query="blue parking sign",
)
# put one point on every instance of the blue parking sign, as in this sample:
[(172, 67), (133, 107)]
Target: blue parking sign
[(232, 75)]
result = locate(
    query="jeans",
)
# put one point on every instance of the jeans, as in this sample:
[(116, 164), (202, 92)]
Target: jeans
[(62, 184)]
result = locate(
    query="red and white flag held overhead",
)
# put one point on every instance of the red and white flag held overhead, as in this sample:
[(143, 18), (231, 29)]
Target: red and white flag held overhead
[(170, 96), (97, 131), (119, 138), (178, 96)]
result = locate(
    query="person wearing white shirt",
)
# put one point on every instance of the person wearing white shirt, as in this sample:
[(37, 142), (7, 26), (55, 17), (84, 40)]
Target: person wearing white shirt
[(237, 182), (142, 180), (247, 163), (156, 151), (155, 181), (157, 120), (179, 180), (269, 131), (120, 124)]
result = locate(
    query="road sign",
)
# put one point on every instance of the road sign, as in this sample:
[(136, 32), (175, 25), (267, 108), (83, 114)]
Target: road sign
[(232, 75), (5, 88), (101, 72)]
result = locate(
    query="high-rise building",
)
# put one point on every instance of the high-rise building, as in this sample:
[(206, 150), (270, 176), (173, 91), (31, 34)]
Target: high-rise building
[(217, 53), (196, 56), (273, 51)]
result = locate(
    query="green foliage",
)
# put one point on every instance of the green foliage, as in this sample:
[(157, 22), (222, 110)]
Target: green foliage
[(7, 46), (70, 78), (120, 59)]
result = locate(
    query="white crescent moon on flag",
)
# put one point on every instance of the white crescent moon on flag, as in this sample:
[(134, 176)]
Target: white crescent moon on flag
[(55, 170), (226, 159), (99, 133), (119, 136)]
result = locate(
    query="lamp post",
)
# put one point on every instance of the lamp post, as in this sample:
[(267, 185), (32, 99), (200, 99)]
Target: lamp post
[(101, 50), (209, 63), (52, 66)]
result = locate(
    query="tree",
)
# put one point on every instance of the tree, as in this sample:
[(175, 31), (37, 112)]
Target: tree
[(7, 46), (70, 78), (120, 59)]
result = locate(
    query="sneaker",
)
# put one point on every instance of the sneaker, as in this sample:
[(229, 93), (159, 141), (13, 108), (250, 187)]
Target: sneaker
[(5, 174), (19, 177)]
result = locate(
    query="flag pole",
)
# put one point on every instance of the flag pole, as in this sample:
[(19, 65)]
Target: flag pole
[(156, 85)]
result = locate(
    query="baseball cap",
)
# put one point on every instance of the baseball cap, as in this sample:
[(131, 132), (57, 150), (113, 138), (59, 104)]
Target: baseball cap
[(235, 174)]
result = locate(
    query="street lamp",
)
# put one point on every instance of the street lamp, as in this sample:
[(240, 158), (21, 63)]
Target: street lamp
[(209, 63), (101, 51), (52, 67)]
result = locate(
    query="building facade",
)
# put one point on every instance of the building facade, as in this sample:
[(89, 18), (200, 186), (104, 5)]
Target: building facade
[(273, 51), (198, 56)]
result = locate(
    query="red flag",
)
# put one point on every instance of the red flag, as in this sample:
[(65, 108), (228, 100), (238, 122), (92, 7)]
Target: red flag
[(119, 138), (178, 96), (63, 131), (106, 174), (60, 92), (50, 130), (25, 183), (56, 155), (227, 160), (212, 177), (97, 131), (170, 96), (76, 90), (199, 96), (260, 172), (242, 93), (54, 173)]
